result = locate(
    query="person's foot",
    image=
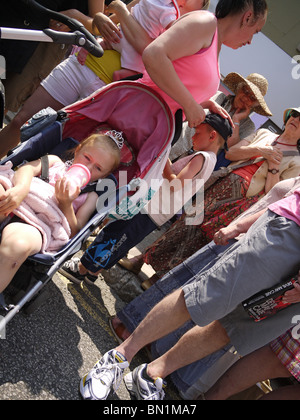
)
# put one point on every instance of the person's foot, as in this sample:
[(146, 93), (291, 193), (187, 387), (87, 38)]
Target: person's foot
[(105, 375), (118, 329), (134, 264), (150, 282), (142, 387), (70, 270)]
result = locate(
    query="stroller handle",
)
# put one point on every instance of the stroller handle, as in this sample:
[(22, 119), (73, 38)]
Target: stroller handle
[(88, 42)]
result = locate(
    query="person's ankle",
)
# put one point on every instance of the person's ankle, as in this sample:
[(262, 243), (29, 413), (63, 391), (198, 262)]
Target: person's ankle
[(82, 269)]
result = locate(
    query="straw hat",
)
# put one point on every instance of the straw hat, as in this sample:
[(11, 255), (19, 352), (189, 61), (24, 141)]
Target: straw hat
[(258, 85)]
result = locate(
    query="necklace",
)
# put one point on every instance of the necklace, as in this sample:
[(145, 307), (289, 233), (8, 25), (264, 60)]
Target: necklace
[(283, 144)]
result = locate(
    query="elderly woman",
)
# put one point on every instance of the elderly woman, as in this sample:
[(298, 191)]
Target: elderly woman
[(230, 196), (248, 96)]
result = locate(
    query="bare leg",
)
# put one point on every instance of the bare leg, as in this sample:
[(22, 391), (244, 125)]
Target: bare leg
[(196, 344), (165, 317), (10, 135), (18, 242), (256, 367)]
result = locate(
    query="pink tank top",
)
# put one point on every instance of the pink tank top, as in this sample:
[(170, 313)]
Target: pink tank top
[(200, 73)]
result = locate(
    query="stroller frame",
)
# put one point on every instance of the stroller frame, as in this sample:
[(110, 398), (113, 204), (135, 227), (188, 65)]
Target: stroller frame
[(110, 105)]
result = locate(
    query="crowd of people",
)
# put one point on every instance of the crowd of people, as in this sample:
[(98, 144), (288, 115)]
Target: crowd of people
[(245, 240)]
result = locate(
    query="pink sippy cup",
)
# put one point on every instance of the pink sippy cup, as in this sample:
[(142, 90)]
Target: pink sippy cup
[(77, 176)]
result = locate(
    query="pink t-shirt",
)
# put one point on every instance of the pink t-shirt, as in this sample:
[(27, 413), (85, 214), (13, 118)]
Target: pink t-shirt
[(288, 207), (199, 73)]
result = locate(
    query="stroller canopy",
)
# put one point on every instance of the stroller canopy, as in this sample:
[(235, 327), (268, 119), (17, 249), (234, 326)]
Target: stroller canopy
[(140, 113)]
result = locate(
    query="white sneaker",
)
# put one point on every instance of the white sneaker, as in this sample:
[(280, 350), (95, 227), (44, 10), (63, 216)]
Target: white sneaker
[(142, 387), (106, 374)]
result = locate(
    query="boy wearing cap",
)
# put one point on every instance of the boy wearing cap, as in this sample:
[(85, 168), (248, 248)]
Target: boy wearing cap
[(119, 237)]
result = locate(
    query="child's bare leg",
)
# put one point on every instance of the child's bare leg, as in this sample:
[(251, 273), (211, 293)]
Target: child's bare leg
[(18, 242)]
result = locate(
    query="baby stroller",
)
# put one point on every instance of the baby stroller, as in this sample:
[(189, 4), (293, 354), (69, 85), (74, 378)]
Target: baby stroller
[(148, 127)]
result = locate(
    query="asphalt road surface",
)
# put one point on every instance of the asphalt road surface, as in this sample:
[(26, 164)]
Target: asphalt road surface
[(45, 354)]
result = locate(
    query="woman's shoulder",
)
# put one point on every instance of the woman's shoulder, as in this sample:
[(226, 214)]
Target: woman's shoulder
[(201, 26), (203, 16)]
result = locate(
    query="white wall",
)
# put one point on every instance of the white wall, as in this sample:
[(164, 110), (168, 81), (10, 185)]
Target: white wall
[(265, 57)]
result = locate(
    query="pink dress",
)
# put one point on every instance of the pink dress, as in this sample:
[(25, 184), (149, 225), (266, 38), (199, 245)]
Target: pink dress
[(200, 74)]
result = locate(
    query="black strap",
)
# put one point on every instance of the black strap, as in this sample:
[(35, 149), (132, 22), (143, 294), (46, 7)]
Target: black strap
[(45, 168)]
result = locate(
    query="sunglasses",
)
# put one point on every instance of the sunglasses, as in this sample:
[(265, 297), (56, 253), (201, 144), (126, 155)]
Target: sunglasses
[(291, 113)]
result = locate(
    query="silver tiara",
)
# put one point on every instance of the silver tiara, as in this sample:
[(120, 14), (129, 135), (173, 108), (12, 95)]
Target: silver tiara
[(117, 137)]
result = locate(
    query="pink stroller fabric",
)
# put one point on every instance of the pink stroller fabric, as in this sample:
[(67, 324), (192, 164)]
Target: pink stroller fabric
[(130, 107)]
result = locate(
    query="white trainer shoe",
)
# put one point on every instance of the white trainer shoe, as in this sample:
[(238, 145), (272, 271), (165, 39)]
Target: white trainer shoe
[(105, 375), (142, 387)]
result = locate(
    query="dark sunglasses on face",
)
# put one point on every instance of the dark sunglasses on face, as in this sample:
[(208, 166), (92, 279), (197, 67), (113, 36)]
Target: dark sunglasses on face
[(292, 113)]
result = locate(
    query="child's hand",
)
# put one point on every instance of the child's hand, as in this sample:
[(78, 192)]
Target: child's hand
[(63, 193), (108, 30), (11, 199)]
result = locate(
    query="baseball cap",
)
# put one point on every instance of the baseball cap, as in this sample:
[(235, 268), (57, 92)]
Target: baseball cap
[(221, 125)]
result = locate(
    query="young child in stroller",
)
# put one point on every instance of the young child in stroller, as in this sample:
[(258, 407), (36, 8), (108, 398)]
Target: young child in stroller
[(41, 217)]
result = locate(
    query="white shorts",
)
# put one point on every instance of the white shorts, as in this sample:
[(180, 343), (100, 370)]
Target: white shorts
[(70, 82)]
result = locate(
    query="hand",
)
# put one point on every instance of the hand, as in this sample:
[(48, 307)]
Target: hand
[(11, 200), (224, 235), (58, 26), (195, 115), (107, 28), (241, 114), (273, 155), (63, 194), (215, 108), (293, 296)]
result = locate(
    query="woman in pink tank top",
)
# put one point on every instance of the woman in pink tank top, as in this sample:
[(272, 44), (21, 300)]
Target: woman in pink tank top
[(182, 63)]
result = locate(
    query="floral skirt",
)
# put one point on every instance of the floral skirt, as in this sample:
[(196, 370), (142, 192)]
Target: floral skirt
[(287, 349), (223, 203)]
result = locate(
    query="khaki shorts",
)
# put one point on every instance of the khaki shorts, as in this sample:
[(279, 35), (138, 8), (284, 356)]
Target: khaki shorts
[(266, 255)]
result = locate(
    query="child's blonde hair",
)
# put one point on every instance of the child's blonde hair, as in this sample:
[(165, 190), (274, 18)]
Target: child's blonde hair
[(206, 5), (105, 142)]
